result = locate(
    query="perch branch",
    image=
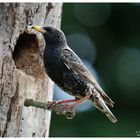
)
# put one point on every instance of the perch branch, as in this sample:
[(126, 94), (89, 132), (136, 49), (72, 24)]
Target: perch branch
[(59, 108)]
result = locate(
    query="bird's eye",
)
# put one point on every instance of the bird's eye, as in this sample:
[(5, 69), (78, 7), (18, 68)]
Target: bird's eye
[(48, 30)]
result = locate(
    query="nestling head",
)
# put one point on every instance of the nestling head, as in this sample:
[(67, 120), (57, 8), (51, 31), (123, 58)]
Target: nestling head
[(51, 34)]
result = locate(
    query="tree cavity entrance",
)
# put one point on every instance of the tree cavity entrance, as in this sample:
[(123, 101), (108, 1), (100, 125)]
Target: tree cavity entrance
[(26, 54)]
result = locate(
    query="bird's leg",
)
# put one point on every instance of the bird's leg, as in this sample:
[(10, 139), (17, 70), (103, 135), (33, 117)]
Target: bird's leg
[(62, 106), (80, 100), (89, 93), (67, 101), (77, 101), (68, 109)]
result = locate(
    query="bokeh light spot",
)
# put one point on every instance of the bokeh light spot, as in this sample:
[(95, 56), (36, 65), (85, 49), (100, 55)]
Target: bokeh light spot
[(92, 15), (128, 69), (73, 28), (83, 46)]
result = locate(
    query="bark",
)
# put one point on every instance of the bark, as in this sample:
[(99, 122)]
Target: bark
[(22, 73)]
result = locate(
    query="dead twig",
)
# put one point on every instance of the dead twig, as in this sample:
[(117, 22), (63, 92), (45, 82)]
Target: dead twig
[(59, 108)]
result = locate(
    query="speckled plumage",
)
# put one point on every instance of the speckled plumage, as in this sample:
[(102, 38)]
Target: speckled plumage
[(64, 77), (66, 69)]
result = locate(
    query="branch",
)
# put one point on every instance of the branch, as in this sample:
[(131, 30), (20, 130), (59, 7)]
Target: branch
[(59, 108)]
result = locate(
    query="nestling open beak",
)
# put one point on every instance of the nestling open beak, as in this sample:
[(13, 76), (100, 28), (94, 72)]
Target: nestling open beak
[(39, 29)]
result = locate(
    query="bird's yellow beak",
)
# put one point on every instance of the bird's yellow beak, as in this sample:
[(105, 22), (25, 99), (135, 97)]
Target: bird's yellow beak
[(39, 29)]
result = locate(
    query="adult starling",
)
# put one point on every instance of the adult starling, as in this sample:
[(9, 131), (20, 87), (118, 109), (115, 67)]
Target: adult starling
[(66, 69)]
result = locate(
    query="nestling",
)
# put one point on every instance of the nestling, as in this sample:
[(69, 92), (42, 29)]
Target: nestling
[(66, 69)]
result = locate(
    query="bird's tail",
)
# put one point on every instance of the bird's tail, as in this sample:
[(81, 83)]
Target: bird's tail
[(99, 102)]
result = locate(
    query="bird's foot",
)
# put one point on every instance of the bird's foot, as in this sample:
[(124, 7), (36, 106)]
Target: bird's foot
[(62, 108), (67, 107)]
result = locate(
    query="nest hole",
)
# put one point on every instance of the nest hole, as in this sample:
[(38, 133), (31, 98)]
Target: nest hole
[(26, 54)]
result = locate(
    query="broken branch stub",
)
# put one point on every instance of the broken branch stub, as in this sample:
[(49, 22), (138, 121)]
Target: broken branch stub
[(59, 108)]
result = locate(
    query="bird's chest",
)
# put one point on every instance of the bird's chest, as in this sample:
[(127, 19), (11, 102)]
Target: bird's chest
[(61, 75), (53, 64)]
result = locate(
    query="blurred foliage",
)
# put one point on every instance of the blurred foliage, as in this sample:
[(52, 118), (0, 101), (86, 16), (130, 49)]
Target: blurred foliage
[(111, 37)]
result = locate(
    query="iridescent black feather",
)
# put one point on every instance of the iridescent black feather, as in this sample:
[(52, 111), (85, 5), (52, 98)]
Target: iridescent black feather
[(66, 69)]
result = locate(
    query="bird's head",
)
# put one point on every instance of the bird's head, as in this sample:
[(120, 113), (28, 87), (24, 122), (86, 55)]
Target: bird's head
[(51, 34)]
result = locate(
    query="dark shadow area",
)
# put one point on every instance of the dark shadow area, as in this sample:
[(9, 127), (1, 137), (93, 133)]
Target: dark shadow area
[(26, 54)]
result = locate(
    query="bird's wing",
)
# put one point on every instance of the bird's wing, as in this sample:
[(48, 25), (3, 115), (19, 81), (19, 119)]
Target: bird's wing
[(73, 62)]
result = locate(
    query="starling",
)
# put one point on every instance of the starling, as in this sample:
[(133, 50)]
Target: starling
[(66, 69)]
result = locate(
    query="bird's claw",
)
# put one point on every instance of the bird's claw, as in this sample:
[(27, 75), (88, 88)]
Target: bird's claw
[(69, 111), (62, 109)]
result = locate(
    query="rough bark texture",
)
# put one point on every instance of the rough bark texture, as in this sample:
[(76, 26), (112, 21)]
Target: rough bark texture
[(21, 69)]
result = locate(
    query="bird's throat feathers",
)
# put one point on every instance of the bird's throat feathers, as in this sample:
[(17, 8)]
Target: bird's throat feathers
[(58, 41)]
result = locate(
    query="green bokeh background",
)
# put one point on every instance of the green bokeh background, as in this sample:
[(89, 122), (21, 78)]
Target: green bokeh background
[(115, 32)]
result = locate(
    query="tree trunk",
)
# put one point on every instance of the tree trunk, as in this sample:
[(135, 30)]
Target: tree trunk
[(22, 74)]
